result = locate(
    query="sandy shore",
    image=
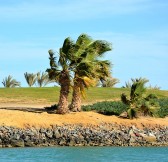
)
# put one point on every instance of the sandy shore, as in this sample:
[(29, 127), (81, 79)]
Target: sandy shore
[(23, 119)]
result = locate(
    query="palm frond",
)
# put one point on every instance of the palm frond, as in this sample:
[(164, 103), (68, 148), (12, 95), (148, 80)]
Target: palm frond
[(52, 59), (124, 99), (88, 82), (102, 69), (99, 47), (138, 88), (83, 41)]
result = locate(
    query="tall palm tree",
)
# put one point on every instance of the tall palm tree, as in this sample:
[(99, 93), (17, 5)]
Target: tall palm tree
[(87, 66), (82, 59), (8, 82), (43, 79), (60, 72), (30, 78)]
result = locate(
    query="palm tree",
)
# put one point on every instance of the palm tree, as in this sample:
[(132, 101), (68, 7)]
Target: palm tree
[(110, 82), (43, 79), (87, 66), (8, 82), (30, 78), (60, 72), (138, 102)]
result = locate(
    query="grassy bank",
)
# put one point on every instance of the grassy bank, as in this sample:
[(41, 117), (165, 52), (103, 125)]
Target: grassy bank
[(50, 95)]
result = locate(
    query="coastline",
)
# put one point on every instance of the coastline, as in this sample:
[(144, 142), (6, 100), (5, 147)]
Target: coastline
[(106, 134), (33, 127)]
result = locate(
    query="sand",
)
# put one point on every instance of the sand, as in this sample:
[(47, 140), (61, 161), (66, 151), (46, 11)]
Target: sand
[(24, 119)]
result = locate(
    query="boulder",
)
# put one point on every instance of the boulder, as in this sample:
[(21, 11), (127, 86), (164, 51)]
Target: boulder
[(17, 143)]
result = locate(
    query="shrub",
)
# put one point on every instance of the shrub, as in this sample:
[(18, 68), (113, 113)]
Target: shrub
[(107, 107), (163, 111)]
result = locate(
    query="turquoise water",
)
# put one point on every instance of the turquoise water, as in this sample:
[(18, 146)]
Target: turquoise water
[(85, 154)]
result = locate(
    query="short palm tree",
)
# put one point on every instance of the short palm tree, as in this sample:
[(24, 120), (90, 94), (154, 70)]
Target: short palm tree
[(138, 102), (30, 78), (87, 67), (43, 79), (8, 82)]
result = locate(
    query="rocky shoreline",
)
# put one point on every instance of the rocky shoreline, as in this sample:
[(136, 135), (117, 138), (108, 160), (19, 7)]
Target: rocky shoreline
[(79, 135)]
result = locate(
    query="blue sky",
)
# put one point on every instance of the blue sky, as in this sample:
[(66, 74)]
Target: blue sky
[(137, 29)]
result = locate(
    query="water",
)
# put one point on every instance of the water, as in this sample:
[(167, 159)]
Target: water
[(85, 154)]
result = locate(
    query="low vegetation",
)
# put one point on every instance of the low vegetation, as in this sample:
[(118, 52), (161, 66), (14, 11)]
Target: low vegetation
[(117, 107), (106, 107), (163, 111)]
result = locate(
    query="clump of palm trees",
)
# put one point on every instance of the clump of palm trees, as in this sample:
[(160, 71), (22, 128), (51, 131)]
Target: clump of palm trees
[(79, 66), (138, 102), (42, 79)]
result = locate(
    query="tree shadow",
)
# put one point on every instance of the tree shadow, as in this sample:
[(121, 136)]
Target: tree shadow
[(30, 109)]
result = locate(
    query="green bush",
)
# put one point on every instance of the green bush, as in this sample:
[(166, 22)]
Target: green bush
[(107, 107), (163, 111)]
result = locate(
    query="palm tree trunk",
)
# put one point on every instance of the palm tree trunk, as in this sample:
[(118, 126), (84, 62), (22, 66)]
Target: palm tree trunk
[(76, 96), (63, 99)]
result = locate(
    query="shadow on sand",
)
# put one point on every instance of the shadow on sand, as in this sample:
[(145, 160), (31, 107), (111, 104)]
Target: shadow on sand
[(28, 109)]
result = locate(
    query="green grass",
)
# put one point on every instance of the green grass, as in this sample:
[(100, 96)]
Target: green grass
[(51, 94)]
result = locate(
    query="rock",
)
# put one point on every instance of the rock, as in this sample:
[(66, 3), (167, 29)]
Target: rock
[(105, 134), (29, 144), (150, 139), (49, 134), (71, 143), (42, 136), (57, 134), (62, 142), (16, 136), (42, 130), (132, 140), (17, 143), (123, 115)]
